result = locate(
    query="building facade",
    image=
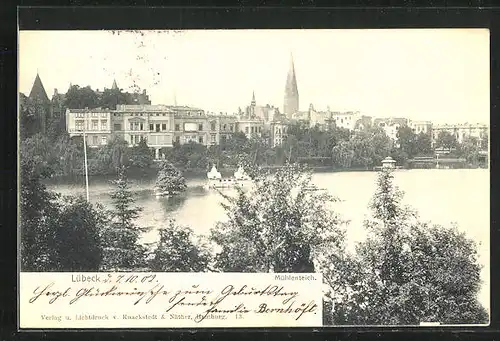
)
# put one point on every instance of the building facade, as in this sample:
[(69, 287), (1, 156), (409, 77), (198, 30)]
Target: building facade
[(161, 126), (460, 131), (420, 126), (278, 132), (265, 113), (391, 125)]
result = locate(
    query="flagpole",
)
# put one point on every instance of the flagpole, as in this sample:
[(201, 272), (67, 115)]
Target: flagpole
[(85, 157)]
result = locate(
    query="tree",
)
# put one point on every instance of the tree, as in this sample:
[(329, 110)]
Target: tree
[(446, 140), (70, 152), (37, 210), (179, 250), (81, 98), (484, 140), (110, 98), (407, 141), (170, 180), (38, 149), (280, 225), (56, 235), (342, 154), (122, 248), (469, 149), (141, 156), (27, 117), (112, 156), (77, 235), (406, 271), (424, 144)]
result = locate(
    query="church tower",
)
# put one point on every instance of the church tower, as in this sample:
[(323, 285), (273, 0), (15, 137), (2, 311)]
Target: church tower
[(41, 103), (291, 103)]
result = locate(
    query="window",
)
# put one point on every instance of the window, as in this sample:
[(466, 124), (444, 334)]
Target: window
[(141, 126), (164, 126), (212, 126), (252, 130), (104, 125), (177, 127), (200, 127), (164, 114), (117, 126), (157, 114), (157, 127), (104, 140), (94, 114), (95, 140), (246, 130), (231, 127), (260, 129), (131, 126), (95, 125), (151, 127), (103, 114), (200, 139), (79, 125), (224, 127), (212, 137)]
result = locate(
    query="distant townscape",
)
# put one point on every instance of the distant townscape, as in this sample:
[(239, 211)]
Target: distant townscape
[(112, 114), (273, 199)]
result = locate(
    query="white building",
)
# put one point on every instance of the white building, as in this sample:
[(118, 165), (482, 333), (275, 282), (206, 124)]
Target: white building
[(278, 132), (461, 131), (391, 125), (420, 126)]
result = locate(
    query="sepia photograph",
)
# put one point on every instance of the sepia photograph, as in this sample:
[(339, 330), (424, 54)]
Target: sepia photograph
[(358, 155)]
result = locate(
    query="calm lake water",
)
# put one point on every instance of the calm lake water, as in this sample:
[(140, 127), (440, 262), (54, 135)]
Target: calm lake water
[(443, 197)]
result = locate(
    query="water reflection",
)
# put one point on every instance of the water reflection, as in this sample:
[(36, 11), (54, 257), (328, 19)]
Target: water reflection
[(173, 203)]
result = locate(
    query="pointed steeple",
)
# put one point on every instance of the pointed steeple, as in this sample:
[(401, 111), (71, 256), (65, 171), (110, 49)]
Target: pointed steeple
[(291, 103), (38, 91), (114, 86), (253, 98)]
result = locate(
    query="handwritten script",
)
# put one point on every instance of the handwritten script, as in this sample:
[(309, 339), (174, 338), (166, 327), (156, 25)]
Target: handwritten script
[(179, 297)]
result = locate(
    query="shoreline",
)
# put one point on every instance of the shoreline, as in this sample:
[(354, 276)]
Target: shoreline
[(196, 174)]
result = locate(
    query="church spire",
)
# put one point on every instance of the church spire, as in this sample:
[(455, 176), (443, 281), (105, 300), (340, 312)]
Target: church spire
[(291, 103), (114, 86), (253, 98), (38, 91)]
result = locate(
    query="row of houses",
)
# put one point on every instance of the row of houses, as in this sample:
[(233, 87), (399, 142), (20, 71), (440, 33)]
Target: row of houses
[(164, 125)]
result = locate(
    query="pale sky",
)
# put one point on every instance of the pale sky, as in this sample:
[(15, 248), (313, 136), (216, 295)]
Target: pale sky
[(440, 75)]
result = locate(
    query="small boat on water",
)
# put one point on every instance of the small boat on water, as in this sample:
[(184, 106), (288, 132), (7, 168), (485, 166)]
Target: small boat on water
[(215, 180)]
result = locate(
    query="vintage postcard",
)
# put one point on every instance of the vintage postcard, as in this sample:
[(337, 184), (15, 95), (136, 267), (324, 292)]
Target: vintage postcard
[(254, 178)]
